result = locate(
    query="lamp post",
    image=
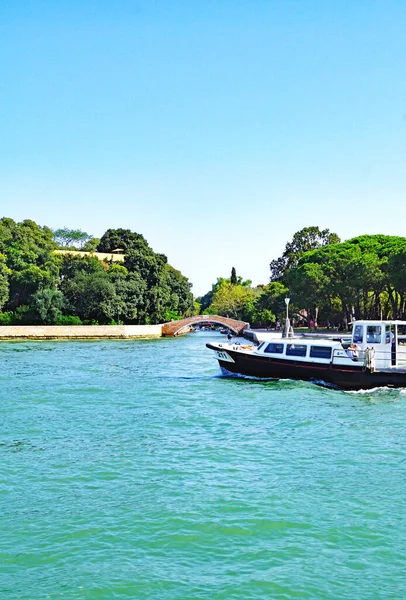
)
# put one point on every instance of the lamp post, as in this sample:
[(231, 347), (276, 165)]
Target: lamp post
[(287, 300), (287, 330)]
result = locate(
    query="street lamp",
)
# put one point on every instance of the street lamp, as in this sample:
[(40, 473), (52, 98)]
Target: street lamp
[(287, 300), (287, 330)]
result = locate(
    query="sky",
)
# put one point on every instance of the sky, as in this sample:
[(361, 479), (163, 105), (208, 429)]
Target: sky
[(216, 128)]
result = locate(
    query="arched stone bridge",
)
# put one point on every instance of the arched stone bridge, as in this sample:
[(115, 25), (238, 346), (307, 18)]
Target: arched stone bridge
[(176, 327)]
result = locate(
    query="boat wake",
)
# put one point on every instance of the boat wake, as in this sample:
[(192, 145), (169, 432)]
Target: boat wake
[(379, 391), (376, 392)]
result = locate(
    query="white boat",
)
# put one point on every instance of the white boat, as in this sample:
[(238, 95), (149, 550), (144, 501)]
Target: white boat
[(374, 356)]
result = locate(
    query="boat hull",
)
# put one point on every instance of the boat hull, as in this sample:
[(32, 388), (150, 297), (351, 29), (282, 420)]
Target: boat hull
[(349, 377)]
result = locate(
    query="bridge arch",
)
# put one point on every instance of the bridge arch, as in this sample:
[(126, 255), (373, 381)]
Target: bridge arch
[(176, 327)]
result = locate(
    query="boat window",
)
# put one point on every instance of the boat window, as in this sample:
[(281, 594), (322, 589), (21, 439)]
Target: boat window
[(296, 350), (374, 334), (320, 351), (358, 334), (261, 345), (274, 348)]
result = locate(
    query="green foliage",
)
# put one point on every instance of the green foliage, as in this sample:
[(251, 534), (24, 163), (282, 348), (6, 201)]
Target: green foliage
[(362, 277), (38, 286), (308, 238), (68, 320), (124, 239), (92, 295), (25, 315), (233, 278), (48, 304), (236, 301), (326, 279), (172, 315), (6, 318), (5, 272), (28, 251), (91, 245), (74, 238), (272, 299), (206, 300)]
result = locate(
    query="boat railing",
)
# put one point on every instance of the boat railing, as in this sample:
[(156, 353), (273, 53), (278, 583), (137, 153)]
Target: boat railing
[(366, 357), (391, 357), (371, 358)]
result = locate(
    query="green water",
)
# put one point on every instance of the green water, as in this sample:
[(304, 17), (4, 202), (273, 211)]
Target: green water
[(133, 470)]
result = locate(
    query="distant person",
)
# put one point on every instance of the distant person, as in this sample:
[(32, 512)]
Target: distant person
[(278, 325), (311, 324), (352, 351), (229, 336)]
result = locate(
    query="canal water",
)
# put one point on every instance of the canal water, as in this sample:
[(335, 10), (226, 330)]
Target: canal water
[(132, 469)]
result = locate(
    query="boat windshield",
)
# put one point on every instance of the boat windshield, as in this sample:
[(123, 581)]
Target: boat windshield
[(358, 334), (374, 334)]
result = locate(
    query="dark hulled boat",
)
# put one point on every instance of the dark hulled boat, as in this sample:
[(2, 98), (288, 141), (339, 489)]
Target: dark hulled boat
[(376, 357)]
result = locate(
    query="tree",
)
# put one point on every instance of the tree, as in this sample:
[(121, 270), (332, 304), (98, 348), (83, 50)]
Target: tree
[(71, 265), (233, 279), (130, 292), (7, 230), (93, 296), (181, 298), (397, 274), (303, 241), (207, 299), (232, 300), (308, 284), (71, 237), (122, 238), (355, 278), (28, 249), (49, 304), (91, 245), (272, 298), (4, 281)]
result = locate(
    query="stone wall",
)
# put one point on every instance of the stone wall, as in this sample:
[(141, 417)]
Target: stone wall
[(50, 332), (100, 255)]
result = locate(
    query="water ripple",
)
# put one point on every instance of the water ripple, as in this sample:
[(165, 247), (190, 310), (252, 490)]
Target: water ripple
[(133, 470)]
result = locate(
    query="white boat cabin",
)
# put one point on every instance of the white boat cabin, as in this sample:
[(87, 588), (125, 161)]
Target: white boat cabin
[(384, 340)]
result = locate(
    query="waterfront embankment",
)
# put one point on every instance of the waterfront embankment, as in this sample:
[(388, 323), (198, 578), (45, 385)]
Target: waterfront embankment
[(78, 332)]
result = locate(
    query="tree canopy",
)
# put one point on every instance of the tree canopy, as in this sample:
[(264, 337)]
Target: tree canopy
[(326, 279), (308, 238), (74, 238), (329, 281), (363, 277), (39, 286)]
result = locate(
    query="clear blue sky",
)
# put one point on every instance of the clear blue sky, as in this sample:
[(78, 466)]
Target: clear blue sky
[(216, 128)]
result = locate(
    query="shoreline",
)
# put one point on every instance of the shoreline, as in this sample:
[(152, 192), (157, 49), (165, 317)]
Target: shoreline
[(78, 332)]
